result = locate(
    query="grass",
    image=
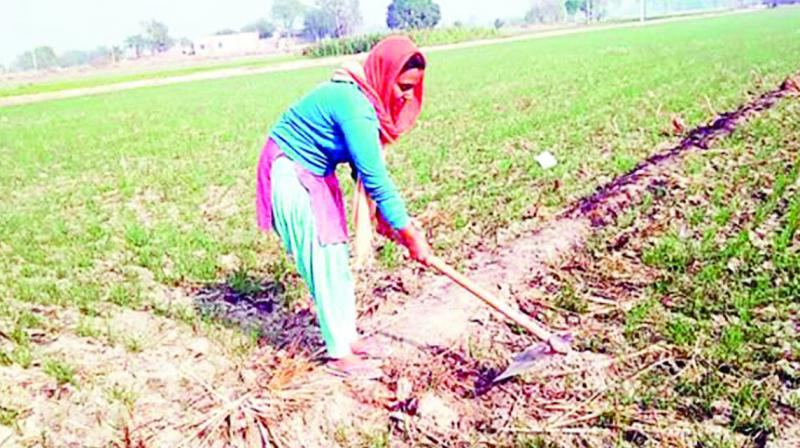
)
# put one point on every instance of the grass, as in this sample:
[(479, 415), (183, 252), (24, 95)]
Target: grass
[(242, 283), (98, 190), (60, 371), (124, 396), (133, 344), (109, 201), (8, 416), (725, 289), (102, 80), (22, 356)]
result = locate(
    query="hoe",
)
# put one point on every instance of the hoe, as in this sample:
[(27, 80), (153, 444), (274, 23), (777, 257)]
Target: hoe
[(551, 343)]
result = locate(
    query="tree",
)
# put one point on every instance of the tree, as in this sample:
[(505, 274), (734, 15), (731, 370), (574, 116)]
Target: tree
[(318, 24), (137, 43), (73, 58), (286, 12), (224, 32), (157, 35), (545, 11), (346, 14), (117, 51), (332, 18), (573, 6), (408, 14), (499, 23), (594, 9), (355, 15), (100, 56), (40, 58), (263, 27)]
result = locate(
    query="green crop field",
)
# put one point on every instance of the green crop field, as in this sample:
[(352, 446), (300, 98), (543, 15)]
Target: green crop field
[(103, 80), (123, 200)]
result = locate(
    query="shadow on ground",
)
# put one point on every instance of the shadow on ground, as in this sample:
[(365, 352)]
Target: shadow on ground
[(258, 306)]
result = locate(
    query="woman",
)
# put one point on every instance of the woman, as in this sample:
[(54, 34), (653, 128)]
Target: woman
[(345, 120)]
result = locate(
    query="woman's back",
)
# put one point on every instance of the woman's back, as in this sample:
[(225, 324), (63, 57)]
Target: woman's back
[(310, 132)]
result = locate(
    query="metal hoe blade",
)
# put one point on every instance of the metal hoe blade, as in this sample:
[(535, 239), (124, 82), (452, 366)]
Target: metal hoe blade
[(528, 358)]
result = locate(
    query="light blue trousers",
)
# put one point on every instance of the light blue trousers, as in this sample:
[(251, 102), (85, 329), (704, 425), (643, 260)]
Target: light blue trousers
[(325, 269)]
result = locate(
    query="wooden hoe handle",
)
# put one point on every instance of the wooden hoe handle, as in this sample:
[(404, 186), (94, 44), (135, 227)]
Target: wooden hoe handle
[(488, 298)]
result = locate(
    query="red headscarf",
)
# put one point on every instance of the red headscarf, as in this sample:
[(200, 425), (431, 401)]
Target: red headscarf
[(383, 66)]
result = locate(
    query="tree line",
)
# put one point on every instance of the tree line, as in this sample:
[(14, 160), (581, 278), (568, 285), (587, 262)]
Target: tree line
[(325, 19), (554, 11)]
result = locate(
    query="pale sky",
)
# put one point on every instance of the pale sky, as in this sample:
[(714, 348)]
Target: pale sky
[(87, 24)]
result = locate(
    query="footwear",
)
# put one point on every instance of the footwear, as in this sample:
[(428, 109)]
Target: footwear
[(355, 367), (369, 348)]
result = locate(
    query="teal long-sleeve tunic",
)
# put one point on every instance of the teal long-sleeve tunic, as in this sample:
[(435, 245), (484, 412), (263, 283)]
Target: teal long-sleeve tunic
[(335, 123)]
